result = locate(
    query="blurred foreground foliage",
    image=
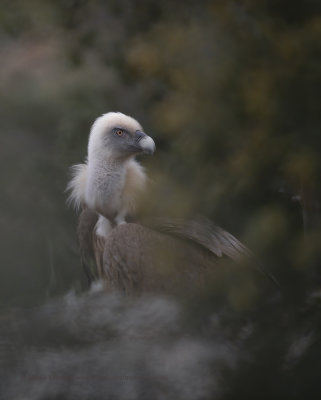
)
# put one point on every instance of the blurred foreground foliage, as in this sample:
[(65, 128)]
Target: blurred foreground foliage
[(229, 91)]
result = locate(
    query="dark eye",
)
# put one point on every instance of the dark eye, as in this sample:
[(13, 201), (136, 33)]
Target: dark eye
[(119, 132)]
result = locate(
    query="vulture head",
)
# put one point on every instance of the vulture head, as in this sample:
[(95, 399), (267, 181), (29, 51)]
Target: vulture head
[(118, 137)]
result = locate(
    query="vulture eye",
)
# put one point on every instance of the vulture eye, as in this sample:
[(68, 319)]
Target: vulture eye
[(119, 132)]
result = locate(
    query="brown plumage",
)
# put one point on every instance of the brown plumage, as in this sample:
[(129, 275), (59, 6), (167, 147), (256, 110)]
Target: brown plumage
[(157, 255)]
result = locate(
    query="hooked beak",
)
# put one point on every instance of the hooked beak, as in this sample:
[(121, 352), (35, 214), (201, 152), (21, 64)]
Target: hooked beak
[(145, 143)]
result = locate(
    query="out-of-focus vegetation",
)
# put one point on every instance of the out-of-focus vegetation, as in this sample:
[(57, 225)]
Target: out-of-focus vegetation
[(228, 90)]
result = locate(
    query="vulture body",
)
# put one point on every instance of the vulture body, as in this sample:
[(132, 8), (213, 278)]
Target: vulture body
[(157, 255), (131, 257)]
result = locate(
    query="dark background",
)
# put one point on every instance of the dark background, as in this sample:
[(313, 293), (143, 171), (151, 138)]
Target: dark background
[(228, 90)]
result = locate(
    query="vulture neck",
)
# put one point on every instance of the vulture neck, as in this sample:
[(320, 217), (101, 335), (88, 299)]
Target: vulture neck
[(99, 158), (101, 166), (106, 179)]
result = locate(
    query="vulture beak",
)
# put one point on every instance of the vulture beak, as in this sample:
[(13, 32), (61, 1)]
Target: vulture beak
[(145, 142)]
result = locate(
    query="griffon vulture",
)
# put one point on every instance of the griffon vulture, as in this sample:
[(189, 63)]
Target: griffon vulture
[(162, 254)]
